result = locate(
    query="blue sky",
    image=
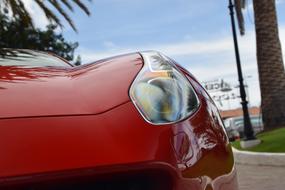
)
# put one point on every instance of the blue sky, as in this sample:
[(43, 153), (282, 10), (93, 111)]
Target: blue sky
[(195, 33)]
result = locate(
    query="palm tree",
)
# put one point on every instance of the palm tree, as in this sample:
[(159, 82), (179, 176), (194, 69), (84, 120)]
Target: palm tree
[(270, 63), (18, 9)]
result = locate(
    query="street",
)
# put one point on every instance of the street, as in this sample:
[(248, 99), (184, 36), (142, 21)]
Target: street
[(261, 177)]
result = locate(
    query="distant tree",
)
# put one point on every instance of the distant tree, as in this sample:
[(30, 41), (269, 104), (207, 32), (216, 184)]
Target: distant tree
[(51, 8), (78, 61), (13, 34)]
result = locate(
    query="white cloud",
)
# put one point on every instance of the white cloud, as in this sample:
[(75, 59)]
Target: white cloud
[(109, 44), (280, 1), (214, 48), (217, 54), (185, 48), (173, 49)]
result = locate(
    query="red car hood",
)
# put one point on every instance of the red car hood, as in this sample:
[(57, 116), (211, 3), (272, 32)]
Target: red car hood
[(88, 89)]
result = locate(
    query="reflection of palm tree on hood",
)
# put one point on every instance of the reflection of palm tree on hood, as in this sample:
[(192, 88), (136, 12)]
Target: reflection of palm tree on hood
[(23, 65), (16, 74)]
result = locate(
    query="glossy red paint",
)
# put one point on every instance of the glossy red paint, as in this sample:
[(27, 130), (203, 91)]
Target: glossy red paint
[(54, 91), (195, 153)]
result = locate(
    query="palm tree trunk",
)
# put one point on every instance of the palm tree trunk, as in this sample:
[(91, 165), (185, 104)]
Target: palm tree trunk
[(270, 64)]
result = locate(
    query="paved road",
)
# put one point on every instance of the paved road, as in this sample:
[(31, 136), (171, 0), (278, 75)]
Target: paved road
[(261, 177)]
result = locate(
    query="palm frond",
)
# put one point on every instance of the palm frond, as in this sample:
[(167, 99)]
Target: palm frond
[(67, 4), (18, 9), (25, 14), (82, 6), (57, 6), (48, 13), (239, 5)]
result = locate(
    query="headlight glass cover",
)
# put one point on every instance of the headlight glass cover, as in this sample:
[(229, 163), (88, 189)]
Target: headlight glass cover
[(161, 93)]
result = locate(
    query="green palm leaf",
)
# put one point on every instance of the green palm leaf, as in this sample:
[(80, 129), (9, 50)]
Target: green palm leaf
[(18, 9)]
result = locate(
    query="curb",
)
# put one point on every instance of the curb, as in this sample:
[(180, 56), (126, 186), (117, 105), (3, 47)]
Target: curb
[(259, 159)]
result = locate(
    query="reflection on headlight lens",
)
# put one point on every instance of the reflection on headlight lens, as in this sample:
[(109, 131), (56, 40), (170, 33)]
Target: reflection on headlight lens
[(161, 93)]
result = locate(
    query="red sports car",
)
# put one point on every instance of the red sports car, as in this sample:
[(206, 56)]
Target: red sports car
[(132, 122)]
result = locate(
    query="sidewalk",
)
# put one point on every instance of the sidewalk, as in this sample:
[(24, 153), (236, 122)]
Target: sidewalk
[(260, 171), (252, 177)]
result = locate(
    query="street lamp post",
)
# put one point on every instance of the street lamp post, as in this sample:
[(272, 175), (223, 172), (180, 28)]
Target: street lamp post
[(248, 131)]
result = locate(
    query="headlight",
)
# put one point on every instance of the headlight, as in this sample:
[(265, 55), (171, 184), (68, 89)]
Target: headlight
[(161, 93)]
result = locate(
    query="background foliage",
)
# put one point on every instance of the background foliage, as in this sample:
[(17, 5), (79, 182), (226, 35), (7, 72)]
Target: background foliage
[(15, 34)]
